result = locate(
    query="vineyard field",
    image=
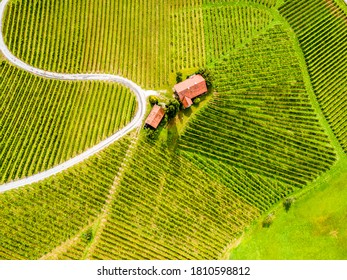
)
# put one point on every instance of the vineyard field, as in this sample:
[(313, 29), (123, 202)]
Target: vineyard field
[(38, 218), (124, 42), (229, 26), (272, 125), (50, 121), (172, 213), (261, 119), (323, 39), (258, 191), (266, 3), (134, 39)]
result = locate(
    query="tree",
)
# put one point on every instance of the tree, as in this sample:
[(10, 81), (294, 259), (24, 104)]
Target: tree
[(207, 75), (197, 100), (268, 220), (287, 203), (172, 108), (151, 134), (153, 100), (87, 235), (179, 77)]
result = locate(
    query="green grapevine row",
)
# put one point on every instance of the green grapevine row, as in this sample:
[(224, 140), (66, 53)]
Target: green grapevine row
[(267, 3)]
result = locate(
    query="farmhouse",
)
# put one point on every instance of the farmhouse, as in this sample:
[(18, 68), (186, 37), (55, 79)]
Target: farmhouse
[(155, 116), (189, 89)]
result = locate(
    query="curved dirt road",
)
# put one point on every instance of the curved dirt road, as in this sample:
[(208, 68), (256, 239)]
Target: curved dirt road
[(136, 121)]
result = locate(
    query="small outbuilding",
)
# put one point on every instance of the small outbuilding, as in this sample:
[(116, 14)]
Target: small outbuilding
[(155, 116), (189, 89)]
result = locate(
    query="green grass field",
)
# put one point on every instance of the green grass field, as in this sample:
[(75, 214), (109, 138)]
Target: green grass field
[(272, 127), (315, 227)]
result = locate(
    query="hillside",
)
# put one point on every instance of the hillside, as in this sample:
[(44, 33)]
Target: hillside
[(271, 127)]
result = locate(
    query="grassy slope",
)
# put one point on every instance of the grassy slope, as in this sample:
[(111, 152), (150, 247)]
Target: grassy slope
[(314, 228)]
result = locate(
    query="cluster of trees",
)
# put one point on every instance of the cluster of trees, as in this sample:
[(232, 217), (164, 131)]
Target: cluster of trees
[(287, 203), (87, 235), (179, 77), (207, 75), (171, 108)]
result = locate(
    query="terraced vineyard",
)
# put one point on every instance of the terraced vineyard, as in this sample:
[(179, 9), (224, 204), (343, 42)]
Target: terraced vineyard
[(38, 218), (261, 119), (124, 42), (321, 29), (35, 114)]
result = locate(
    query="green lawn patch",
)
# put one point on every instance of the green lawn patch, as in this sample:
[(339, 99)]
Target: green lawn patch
[(315, 227)]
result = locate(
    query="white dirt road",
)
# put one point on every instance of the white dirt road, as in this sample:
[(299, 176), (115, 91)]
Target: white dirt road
[(135, 122)]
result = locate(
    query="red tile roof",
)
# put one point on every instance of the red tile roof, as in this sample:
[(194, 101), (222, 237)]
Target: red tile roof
[(190, 88), (186, 102), (155, 116)]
